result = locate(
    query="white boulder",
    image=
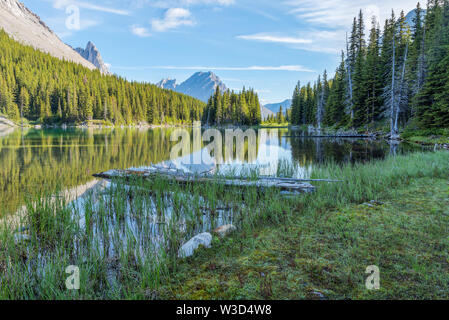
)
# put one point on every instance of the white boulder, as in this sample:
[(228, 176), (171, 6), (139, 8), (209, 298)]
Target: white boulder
[(190, 246)]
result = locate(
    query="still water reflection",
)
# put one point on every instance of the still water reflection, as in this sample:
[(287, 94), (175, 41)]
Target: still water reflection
[(32, 161)]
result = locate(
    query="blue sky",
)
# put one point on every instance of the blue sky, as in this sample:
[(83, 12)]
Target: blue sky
[(265, 44)]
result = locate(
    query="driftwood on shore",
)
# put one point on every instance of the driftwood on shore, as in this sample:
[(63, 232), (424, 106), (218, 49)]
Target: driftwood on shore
[(361, 136), (178, 176)]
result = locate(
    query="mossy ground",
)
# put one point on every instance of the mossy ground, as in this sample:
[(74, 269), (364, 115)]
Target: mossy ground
[(326, 254), (429, 140), (426, 136)]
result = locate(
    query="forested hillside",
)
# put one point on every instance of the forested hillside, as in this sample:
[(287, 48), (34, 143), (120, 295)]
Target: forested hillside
[(45, 88), (397, 77), (236, 108)]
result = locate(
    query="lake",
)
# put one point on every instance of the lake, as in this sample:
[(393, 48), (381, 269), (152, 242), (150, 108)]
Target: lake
[(34, 161)]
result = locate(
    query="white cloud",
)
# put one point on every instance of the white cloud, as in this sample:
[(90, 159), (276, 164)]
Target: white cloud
[(140, 31), (181, 3), (62, 4), (232, 80), (292, 68), (262, 37), (339, 13), (327, 21), (311, 40), (173, 18), (210, 2)]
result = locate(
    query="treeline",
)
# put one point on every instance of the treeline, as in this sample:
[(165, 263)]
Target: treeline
[(230, 107), (279, 117), (41, 87), (26, 160), (398, 76)]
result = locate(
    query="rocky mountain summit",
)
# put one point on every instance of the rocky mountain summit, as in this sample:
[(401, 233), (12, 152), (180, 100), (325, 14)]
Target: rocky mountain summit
[(92, 55), (201, 85), (26, 27), (169, 84)]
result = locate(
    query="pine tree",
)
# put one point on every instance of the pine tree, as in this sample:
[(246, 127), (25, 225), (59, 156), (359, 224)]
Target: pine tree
[(432, 101), (24, 102), (64, 91), (335, 106), (360, 77), (218, 108), (416, 66), (379, 81), (296, 105), (373, 74)]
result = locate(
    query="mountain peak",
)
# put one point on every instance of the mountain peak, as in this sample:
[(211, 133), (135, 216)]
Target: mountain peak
[(200, 85), (207, 75), (26, 27), (92, 55), (90, 45), (169, 84)]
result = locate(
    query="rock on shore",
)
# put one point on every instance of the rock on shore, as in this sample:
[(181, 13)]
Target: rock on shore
[(187, 250)]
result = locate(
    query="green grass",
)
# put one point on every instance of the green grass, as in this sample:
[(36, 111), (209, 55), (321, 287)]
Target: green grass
[(274, 125), (427, 137), (329, 238), (429, 140), (285, 248)]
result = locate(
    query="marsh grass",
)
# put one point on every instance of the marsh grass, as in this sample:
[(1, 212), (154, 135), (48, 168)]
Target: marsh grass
[(125, 237), (391, 213)]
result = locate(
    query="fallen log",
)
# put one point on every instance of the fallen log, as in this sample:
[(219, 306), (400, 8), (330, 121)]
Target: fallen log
[(300, 180), (283, 184), (333, 136)]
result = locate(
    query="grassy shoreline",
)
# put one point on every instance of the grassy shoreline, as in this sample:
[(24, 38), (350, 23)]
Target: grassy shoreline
[(328, 239), (311, 246), (424, 137)]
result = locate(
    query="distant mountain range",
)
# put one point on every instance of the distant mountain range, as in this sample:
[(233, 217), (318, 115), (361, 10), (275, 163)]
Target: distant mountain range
[(92, 55), (275, 107), (201, 85)]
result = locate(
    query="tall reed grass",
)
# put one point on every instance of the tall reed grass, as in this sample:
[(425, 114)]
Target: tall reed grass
[(125, 237)]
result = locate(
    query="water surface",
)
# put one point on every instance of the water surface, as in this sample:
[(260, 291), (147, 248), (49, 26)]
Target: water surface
[(35, 160)]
